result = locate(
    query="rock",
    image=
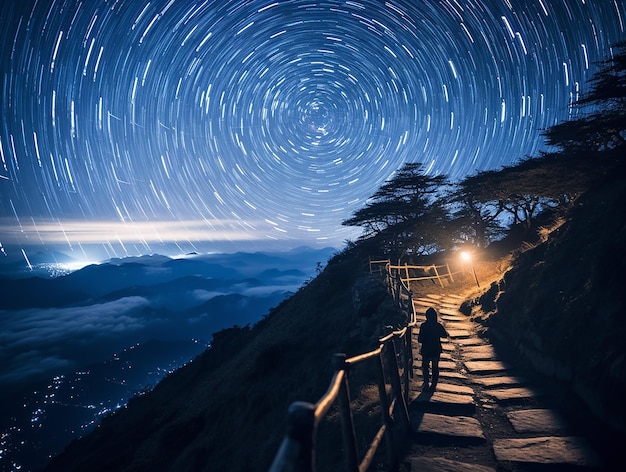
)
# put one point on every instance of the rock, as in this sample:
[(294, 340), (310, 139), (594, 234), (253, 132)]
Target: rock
[(498, 381), (444, 402), (459, 333), (441, 464), (513, 393), (546, 450), (485, 366), (462, 427), (536, 420)]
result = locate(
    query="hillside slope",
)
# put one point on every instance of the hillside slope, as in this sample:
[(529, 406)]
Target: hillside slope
[(561, 308), (226, 410)]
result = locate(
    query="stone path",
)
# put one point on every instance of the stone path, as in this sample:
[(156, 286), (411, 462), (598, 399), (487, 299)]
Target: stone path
[(483, 416)]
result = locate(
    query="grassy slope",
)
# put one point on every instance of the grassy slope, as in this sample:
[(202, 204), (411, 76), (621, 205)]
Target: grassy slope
[(226, 410)]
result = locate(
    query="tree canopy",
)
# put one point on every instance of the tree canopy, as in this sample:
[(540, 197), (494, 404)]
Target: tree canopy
[(406, 213), (601, 132)]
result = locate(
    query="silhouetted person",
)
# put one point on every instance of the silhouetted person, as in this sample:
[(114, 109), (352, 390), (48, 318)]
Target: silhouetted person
[(430, 334)]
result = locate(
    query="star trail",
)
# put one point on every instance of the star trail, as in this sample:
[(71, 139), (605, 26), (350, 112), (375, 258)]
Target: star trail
[(131, 124)]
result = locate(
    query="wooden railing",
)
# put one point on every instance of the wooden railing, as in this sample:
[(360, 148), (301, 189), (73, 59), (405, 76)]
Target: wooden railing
[(414, 273), (297, 452), (394, 368), (398, 287)]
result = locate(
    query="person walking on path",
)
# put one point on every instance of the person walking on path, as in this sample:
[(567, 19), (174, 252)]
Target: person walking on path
[(430, 334)]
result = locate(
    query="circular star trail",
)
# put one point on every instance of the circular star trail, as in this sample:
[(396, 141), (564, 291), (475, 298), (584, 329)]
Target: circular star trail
[(270, 119)]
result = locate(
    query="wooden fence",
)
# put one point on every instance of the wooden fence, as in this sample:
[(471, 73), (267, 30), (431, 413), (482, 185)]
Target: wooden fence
[(393, 361), (413, 273), (394, 367)]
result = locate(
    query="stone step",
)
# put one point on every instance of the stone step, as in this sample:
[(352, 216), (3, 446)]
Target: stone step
[(498, 381), (448, 346), (473, 341), (547, 451), (450, 374), (536, 421), (443, 402), (455, 388), (477, 356), (451, 298), (455, 319), (443, 364), (511, 394), (485, 351), (482, 367), (446, 361), (451, 428), (459, 333), (446, 355), (452, 313), (441, 464), (426, 301)]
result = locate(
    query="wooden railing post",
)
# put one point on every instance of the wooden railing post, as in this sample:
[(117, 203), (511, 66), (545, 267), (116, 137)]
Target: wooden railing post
[(398, 285), (347, 423), (408, 360), (297, 451), (437, 275), (392, 456), (396, 385), (449, 272)]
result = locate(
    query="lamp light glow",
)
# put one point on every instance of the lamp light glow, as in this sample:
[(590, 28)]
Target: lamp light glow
[(467, 257)]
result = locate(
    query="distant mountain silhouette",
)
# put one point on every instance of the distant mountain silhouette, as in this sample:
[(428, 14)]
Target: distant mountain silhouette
[(279, 274), (145, 275), (37, 292), (182, 285), (242, 310)]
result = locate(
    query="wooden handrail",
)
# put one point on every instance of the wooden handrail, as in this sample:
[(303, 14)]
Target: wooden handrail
[(326, 402), (363, 357), (297, 450), (435, 268)]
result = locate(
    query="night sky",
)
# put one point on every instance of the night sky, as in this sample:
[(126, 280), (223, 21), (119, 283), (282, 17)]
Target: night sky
[(129, 124)]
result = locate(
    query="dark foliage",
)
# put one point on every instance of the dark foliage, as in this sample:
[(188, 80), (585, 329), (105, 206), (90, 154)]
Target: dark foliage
[(601, 130), (407, 214)]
